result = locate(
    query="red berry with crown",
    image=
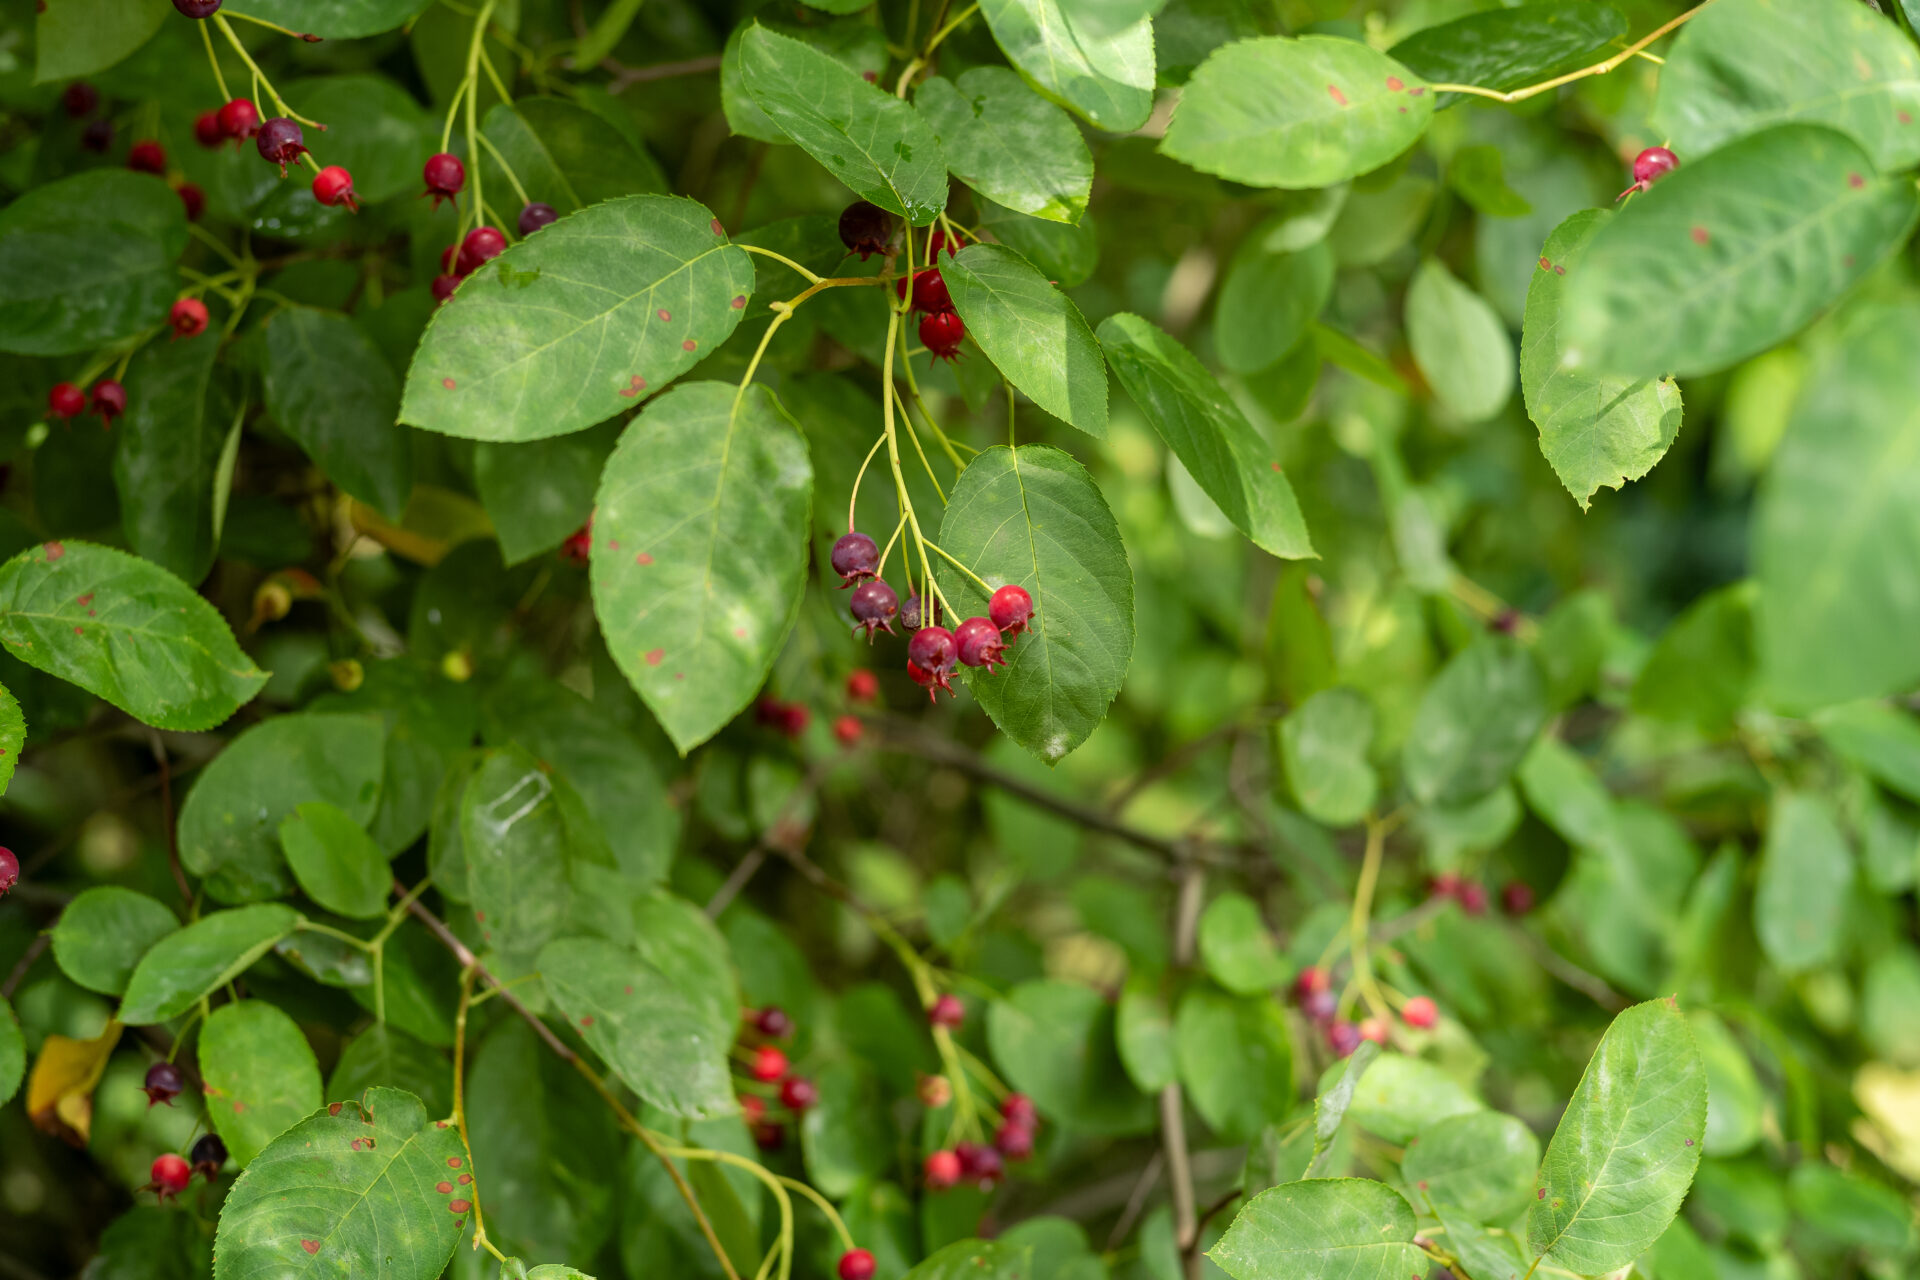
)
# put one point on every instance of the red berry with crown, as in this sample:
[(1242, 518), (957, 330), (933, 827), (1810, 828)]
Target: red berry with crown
[(1649, 167), (170, 1176), (147, 157), (874, 607), (188, 318), (239, 119), (280, 142), (980, 644), (109, 400), (1010, 609), (933, 651), (941, 333), (445, 177), (482, 245), (333, 186), (66, 400), (856, 557), (866, 229), (856, 1264)]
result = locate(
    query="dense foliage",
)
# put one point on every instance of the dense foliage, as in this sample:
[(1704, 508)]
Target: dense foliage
[(1393, 802)]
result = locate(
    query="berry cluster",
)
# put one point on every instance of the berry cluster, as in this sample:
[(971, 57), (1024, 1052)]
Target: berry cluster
[(446, 178), (108, 397), (768, 1064), (977, 1163), (867, 229), (171, 1173), (1313, 992)]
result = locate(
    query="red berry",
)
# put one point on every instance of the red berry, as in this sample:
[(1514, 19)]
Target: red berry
[(197, 8), (579, 543), (798, 1093), (1010, 610), (1516, 897), (164, 1083), (9, 871), (188, 318), (753, 1108), (1019, 1109), (932, 649), (240, 119), (946, 1011), (1374, 1029), (857, 1264), (769, 1064), (941, 1170), (536, 216), (769, 1136), (170, 1173), (333, 185), (1445, 885), (930, 292), (209, 1155), (773, 1021), (1310, 980), (980, 644), (794, 719), (109, 400), (147, 157), (918, 675), (482, 245), (279, 141), (866, 229), (64, 401), (1420, 1011), (80, 98), (862, 685), (939, 242), (1473, 898), (443, 287), (979, 1163), (1649, 167), (445, 177), (1013, 1141), (847, 730), (194, 199), (874, 606), (1320, 1005), (856, 557), (940, 334), (207, 131), (1342, 1037)]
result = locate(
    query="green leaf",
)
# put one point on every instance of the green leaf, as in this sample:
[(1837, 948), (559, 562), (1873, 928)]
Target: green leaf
[(13, 736), (260, 1075), (1032, 332), (1479, 175), (1626, 1147), (1269, 298), (1838, 505), (1595, 429), (1880, 740), (1237, 949), (1330, 1107), (1235, 1060), (1229, 459), (87, 261), (1851, 1209), (13, 1053), (1105, 77), (975, 1260), (1400, 1096), (676, 937), (1459, 343), (1067, 254), (1731, 253), (516, 845), (650, 1026), (104, 931), (1324, 744), (183, 967), (538, 493), (1745, 65), (872, 141), (336, 861), (858, 45), (1507, 49), (1322, 1229), (79, 37), (385, 1055), (126, 631), (1033, 516), (1297, 113), (1806, 877), (1481, 1162), (1007, 143), (845, 1136), (1054, 1041), (229, 826), (350, 1191), (1700, 671), (1143, 1033), (1475, 722), (170, 443), (331, 390), (332, 19), (430, 723), (557, 334), (1736, 1102), (699, 554), (375, 129), (564, 155)]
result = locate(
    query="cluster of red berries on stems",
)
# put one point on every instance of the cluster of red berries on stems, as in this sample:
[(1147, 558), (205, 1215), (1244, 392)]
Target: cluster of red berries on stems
[(171, 1173), (1313, 992), (1470, 894), (768, 1064), (980, 1164)]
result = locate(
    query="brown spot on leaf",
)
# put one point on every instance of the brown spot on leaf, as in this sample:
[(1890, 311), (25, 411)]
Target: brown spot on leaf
[(1542, 1194), (587, 1021), (740, 633), (1559, 271), (77, 631), (1699, 235), (679, 675), (1906, 118), (453, 1162), (311, 1246), (653, 656), (643, 559), (1417, 90), (1545, 265), (740, 302), (665, 314), (629, 990), (444, 1188), (717, 228), (1855, 181), (448, 383), (1339, 98), (333, 1109), (85, 600), (459, 1206), (465, 1178), (688, 345), (1395, 84), (53, 550)]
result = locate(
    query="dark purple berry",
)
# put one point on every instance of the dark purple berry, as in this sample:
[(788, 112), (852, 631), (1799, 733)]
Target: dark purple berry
[(773, 1021), (80, 98), (855, 558), (209, 1156), (536, 216), (444, 176), (866, 229), (482, 245), (797, 1093), (933, 650), (164, 1083), (197, 8), (1320, 1005), (1343, 1038), (911, 615), (97, 136), (979, 1163), (280, 141), (874, 607), (1019, 1109), (979, 643)]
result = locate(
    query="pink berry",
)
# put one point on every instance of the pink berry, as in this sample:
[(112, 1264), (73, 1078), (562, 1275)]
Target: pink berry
[(536, 216), (1010, 610), (933, 650), (239, 118), (9, 864), (862, 685), (1374, 1029), (1420, 1011), (1019, 1109), (1649, 167), (109, 400), (170, 1173), (941, 1170), (1342, 1037), (280, 142), (482, 245), (874, 607), (188, 318), (1013, 1141), (147, 157), (333, 185), (1310, 980), (445, 177), (1320, 1005), (1473, 897), (64, 401), (855, 558), (857, 1264), (163, 1084), (769, 1064), (940, 334), (847, 730), (207, 131), (979, 643), (979, 1163), (946, 1011)]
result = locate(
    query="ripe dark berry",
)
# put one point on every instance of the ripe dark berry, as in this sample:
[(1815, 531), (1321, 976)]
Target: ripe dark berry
[(536, 216), (147, 156), (482, 245), (197, 8), (1010, 610), (207, 131), (940, 334), (930, 292), (979, 1163), (855, 558), (1374, 1029), (769, 1136), (240, 119), (9, 871), (1342, 1037), (933, 650), (980, 643), (946, 1011), (1649, 167), (1019, 1109), (188, 318), (789, 718), (911, 615), (862, 685), (769, 1064), (1013, 1141), (333, 185), (1420, 1011), (194, 199), (866, 229), (64, 401), (209, 1156), (773, 1021), (279, 140), (445, 177), (579, 543), (798, 1093), (443, 287), (941, 1170), (80, 98), (1445, 885), (164, 1083), (847, 730), (97, 136), (170, 1173), (109, 400), (857, 1264), (874, 606), (1320, 1005), (1516, 897)]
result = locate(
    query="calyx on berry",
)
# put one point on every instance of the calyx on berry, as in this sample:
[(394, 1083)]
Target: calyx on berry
[(170, 1173), (1010, 609), (333, 185), (109, 400), (941, 1170), (9, 871), (240, 119), (279, 140), (163, 1083), (1649, 167), (874, 606), (445, 177), (197, 8), (769, 1064), (797, 1093), (579, 543), (147, 156), (933, 650), (1420, 1011), (941, 333), (856, 1264), (856, 557), (979, 643), (209, 1156), (866, 229), (946, 1011), (482, 245), (188, 318), (65, 400), (536, 216)]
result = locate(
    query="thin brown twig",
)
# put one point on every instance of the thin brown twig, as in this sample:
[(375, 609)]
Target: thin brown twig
[(624, 75), (32, 953), (1173, 1123), (1185, 754)]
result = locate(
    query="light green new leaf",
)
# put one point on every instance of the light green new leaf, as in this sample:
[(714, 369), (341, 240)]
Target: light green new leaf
[(351, 1191), (1509, 49), (1700, 671), (333, 19), (335, 860), (651, 1027), (1731, 253), (1475, 722), (1481, 1162), (79, 37), (559, 333), (1736, 1100), (515, 840), (1400, 1096), (1223, 452), (1269, 298), (1235, 1060), (540, 492), (13, 1053), (1031, 331), (1806, 877), (1595, 429), (329, 388), (872, 141), (699, 551), (1322, 1229), (1624, 1153), (260, 1075), (1297, 113), (1323, 745), (1033, 516), (124, 630), (1743, 65), (1143, 1033), (1105, 77), (1008, 143), (13, 736), (1236, 947), (1054, 1041), (184, 966), (104, 931), (564, 155), (1459, 343)]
